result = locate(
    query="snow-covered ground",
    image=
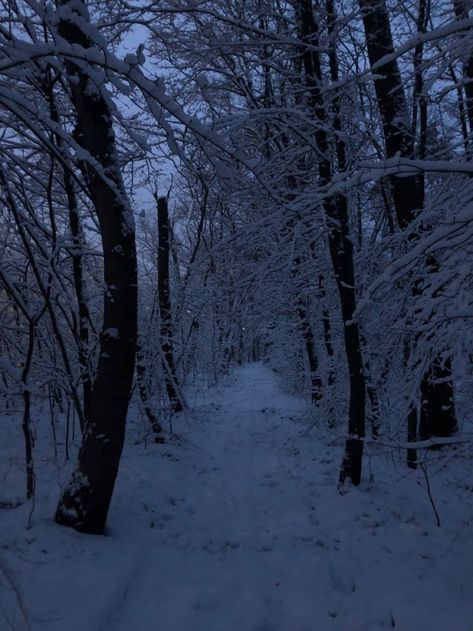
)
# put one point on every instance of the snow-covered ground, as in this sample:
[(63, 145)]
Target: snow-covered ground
[(238, 526)]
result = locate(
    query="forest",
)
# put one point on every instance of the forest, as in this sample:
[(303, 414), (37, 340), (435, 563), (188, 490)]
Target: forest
[(236, 296)]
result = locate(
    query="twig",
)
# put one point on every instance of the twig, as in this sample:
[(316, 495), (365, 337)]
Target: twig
[(424, 470)]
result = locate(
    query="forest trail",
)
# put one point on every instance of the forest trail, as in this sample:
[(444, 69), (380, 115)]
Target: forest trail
[(238, 526), (238, 510)]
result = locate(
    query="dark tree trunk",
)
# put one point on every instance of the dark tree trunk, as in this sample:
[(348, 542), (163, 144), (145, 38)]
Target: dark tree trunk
[(79, 286), (86, 499), (165, 310), (461, 106), (372, 392), (408, 192), (419, 98), (26, 422), (437, 403), (76, 252), (308, 335), (302, 302), (462, 11), (437, 410), (412, 437), (144, 391), (327, 331), (341, 250)]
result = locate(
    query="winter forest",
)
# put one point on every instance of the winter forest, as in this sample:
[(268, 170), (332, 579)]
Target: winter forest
[(236, 296)]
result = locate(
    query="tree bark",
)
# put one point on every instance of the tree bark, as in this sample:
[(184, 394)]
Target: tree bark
[(144, 391), (85, 501), (76, 252), (408, 192), (308, 335), (437, 410), (341, 249), (79, 286), (165, 308), (462, 11)]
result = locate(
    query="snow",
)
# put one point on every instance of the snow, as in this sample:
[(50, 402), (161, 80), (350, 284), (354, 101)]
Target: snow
[(236, 524)]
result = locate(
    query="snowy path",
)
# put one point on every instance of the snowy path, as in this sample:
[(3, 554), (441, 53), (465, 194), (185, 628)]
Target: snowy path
[(238, 514), (240, 528)]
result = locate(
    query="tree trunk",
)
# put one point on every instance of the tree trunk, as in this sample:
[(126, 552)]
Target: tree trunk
[(408, 192), (308, 335), (437, 416), (165, 310), (462, 11), (327, 330), (79, 286), (144, 391), (76, 252), (341, 250), (437, 410), (85, 501), (26, 422)]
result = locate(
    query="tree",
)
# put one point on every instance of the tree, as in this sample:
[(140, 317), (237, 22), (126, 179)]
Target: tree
[(165, 310), (86, 499), (341, 250), (437, 408)]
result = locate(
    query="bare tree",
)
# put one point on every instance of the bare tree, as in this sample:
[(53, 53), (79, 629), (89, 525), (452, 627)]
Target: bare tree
[(86, 499)]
